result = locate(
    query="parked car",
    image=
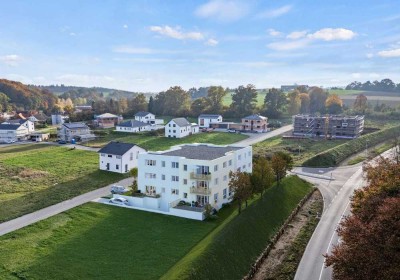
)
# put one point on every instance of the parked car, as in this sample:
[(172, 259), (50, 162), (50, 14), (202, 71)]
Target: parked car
[(118, 189), (119, 201), (231, 130), (62, 142)]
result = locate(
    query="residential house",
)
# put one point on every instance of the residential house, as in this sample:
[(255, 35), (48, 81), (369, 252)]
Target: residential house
[(207, 120), (180, 127), (329, 126), (255, 123), (119, 157), (58, 119), (149, 118), (77, 131), (288, 88), (107, 120), (10, 133), (197, 174), (24, 122), (133, 126), (39, 118)]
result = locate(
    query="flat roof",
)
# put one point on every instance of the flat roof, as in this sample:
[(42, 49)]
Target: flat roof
[(202, 151)]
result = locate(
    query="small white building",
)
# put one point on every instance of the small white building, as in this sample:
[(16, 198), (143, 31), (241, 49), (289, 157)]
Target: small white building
[(26, 123), (10, 133), (133, 126), (180, 127), (119, 157), (206, 120), (145, 117), (196, 174)]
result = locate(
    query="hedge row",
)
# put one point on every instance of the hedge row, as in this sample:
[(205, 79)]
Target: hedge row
[(336, 155)]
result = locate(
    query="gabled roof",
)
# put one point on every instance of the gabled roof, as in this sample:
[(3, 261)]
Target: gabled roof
[(116, 148), (106, 115), (142, 114), (75, 125), (255, 117), (18, 121), (133, 124), (181, 122), (7, 126), (209, 116), (40, 117)]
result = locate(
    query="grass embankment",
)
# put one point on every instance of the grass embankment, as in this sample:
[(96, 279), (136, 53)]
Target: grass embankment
[(336, 155), (287, 269), (159, 143), (371, 153), (229, 251), (36, 176)]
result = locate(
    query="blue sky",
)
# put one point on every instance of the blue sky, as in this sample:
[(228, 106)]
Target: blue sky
[(152, 45)]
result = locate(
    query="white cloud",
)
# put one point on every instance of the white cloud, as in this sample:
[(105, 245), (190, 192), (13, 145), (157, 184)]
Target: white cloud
[(72, 34), (369, 55), (125, 26), (211, 42), (356, 75), (132, 50), (275, 12), (177, 33), (390, 53), (274, 33), (288, 45), (223, 10), (11, 60), (330, 34), (297, 35)]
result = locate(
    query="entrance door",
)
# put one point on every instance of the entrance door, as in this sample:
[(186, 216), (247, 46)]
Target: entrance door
[(202, 199), (126, 168), (108, 166)]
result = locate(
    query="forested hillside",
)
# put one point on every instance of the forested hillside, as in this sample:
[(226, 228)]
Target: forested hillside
[(16, 95)]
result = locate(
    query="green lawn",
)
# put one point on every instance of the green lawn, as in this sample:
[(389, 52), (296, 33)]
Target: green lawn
[(159, 143), (35, 176), (131, 244), (344, 91)]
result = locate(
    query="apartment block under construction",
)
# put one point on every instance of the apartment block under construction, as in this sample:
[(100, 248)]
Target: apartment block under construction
[(328, 126)]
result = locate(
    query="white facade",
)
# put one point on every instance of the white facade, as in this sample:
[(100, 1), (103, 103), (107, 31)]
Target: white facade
[(12, 133), (177, 128), (170, 177), (58, 119), (120, 163), (206, 120), (146, 118), (29, 125), (145, 127)]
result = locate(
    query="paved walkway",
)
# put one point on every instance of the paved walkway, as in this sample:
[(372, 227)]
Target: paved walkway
[(259, 137), (55, 209)]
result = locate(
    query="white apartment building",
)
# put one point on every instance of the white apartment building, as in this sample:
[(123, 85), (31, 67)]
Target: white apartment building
[(10, 133), (205, 120), (180, 127), (119, 157), (195, 173)]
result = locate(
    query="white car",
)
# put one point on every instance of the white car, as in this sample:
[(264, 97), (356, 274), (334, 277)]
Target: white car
[(118, 189), (119, 201)]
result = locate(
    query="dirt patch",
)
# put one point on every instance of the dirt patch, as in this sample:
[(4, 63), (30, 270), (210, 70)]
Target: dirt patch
[(32, 174), (272, 263)]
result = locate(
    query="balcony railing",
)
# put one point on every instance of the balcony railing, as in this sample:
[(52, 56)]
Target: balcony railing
[(200, 190), (200, 176)]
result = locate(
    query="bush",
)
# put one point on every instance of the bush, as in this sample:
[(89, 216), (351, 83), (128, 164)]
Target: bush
[(336, 155)]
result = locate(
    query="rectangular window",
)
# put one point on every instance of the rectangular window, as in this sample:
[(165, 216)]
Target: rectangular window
[(230, 162), (150, 175), (216, 181), (216, 197), (175, 178), (131, 156), (175, 191), (249, 153), (225, 177), (184, 195), (118, 157), (109, 155), (163, 163), (150, 162), (117, 167), (175, 164), (174, 125), (224, 193), (163, 177), (184, 167), (239, 157), (216, 167), (185, 181), (224, 164)]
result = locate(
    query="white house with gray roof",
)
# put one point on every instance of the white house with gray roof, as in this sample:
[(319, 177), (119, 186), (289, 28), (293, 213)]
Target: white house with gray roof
[(10, 133), (133, 126), (196, 174), (77, 131), (180, 127), (205, 120), (119, 157)]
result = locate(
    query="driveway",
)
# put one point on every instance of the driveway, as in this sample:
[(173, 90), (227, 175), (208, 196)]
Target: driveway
[(259, 137)]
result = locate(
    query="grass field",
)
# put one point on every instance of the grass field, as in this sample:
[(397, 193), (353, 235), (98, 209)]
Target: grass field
[(130, 244), (260, 98), (159, 143), (35, 176)]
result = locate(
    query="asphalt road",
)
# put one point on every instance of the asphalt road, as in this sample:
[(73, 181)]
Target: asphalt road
[(337, 186), (55, 209), (259, 137)]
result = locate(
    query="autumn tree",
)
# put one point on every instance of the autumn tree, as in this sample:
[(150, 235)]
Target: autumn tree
[(262, 177), (370, 240), (215, 95), (4, 103), (275, 103), (333, 104), (294, 105), (173, 102), (122, 105), (318, 98), (281, 163), (240, 184), (360, 103), (304, 103), (137, 104), (244, 100)]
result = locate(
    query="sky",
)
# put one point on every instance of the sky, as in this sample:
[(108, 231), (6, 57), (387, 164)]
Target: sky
[(152, 45)]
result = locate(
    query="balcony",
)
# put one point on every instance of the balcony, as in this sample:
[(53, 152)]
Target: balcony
[(200, 190), (200, 176)]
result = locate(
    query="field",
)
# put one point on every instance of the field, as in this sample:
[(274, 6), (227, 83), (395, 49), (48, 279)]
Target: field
[(260, 98), (130, 244), (35, 176), (159, 143)]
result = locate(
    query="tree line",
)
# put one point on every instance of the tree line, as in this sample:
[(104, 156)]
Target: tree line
[(386, 85)]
